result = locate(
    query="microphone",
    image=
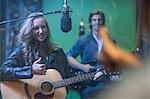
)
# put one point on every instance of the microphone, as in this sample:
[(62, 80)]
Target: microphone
[(66, 23), (81, 28)]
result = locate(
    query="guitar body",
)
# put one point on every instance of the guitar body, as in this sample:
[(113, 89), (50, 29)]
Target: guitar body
[(39, 87), (49, 86)]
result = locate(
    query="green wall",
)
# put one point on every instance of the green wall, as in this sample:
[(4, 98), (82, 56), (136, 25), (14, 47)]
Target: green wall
[(120, 20)]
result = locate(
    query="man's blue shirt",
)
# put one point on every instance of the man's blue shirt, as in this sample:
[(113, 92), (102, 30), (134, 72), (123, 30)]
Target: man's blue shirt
[(87, 47)]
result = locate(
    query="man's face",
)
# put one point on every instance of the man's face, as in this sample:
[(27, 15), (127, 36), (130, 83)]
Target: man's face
[(96, 21)]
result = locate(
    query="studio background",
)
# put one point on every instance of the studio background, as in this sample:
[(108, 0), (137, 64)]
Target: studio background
[(120, 20)]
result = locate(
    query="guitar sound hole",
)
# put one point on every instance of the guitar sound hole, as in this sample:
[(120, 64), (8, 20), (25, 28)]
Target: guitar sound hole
[(46, 87)]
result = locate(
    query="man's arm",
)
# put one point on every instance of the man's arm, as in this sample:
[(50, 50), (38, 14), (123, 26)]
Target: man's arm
[(75, 64)]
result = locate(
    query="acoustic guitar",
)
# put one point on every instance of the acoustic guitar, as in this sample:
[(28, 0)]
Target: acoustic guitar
[(49, 86)]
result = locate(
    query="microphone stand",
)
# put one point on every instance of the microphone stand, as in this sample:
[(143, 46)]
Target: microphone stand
[(13, 20)]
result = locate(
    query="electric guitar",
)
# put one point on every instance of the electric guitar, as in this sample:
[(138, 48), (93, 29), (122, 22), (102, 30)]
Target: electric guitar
[(49, 86)]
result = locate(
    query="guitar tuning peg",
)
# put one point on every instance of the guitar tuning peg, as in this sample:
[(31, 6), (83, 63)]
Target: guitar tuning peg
[(137, 49), (110, 73), (118, 72)]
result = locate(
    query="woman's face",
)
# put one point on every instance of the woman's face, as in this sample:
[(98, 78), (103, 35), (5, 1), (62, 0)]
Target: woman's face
[(39, 30)]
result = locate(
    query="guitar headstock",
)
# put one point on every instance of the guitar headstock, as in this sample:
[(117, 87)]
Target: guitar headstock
[(137, 52), (115, 76), (112, 75)]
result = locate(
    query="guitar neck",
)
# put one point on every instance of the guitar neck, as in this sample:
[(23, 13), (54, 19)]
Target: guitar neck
[(73, 80), (114, 76)]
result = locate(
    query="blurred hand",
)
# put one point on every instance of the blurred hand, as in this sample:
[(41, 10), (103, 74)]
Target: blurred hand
[(38, 68), (103, 32)]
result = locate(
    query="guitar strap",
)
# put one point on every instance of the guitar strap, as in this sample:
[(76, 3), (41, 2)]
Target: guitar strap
[(27, 91)]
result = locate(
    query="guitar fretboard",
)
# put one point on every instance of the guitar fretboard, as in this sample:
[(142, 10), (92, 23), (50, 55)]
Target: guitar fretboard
[(73, 80)]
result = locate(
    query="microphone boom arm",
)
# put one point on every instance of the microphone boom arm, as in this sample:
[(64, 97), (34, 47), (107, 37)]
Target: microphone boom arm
[(18, 19)]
